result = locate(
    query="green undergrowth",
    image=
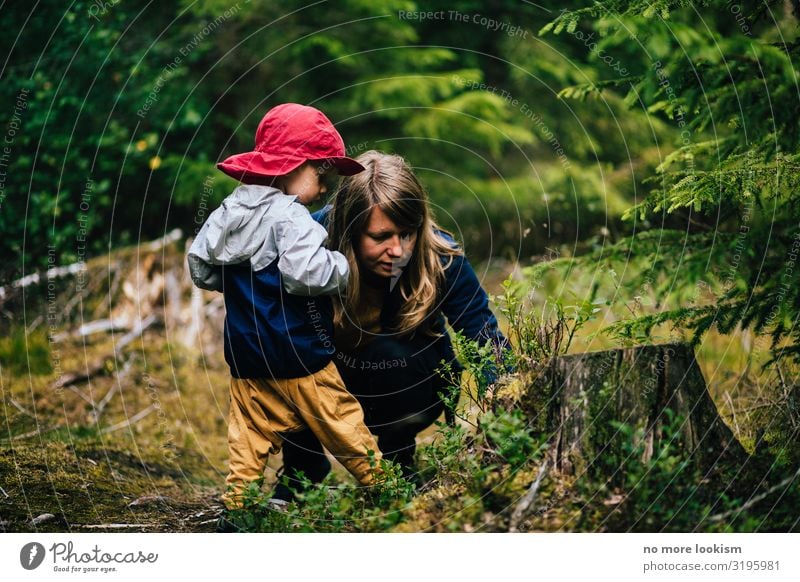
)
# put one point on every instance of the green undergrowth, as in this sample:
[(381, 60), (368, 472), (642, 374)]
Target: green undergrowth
[(491, 470), (152, 458)]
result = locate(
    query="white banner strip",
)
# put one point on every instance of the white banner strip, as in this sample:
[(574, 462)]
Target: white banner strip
[(400, 557)]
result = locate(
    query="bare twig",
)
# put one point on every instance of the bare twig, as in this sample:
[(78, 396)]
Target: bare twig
[(101, 406), (81, 394), (118, 525), (527, 500), (21, 408), (75, 377), (98, 410), (73, 302), (49, 275), (758, 407), (160, 243), (92, 327), (733, 413), (784, 385), (34, 324), (756, 499), (130, 421), (137, 331), (113, 287), (65, 271), (36, 432)]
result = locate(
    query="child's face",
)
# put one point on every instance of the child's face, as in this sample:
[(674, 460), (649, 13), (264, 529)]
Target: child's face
[(308, 182)]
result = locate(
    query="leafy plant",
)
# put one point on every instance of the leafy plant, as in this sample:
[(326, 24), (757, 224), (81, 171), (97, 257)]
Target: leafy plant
[(540, 335), (329, 506), (509, 437)]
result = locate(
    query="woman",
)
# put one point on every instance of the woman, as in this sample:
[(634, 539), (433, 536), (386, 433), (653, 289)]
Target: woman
[(407, 275)]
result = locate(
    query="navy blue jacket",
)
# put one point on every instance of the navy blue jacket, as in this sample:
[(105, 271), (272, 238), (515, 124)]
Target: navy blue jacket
[(270, 333)]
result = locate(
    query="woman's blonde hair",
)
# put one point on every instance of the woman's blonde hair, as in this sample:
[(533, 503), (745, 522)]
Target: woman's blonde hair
[(389, 184)]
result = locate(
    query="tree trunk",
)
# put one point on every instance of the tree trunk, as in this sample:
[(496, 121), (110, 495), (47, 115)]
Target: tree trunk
[(600, 409)]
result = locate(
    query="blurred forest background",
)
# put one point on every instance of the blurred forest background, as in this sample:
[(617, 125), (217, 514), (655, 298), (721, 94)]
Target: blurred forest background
[(633, 163), (133, 105)]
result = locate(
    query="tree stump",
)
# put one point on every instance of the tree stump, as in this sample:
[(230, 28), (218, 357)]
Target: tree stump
[(593, 407)]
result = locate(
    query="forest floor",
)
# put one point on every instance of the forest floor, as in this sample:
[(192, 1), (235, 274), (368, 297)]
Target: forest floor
[(102, 439), (141, 450)]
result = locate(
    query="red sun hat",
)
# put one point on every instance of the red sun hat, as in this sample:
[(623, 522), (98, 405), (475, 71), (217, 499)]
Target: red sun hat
[(289, 135)]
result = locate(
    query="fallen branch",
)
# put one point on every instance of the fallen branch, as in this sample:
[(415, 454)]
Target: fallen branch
[(96, 326), (36, 432), (756, 499), (149, 500), (35, 278), (81, 394), (106, 399), (119, 525), (74, 378), (21, 408), (100, 365), (130, 421), (733, 412), (158, 244), (527, 500), (73, 269), (77, 298), (137, 331), (101, 406)]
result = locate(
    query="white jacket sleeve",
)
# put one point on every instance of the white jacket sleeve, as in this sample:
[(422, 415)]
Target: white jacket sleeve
[(204, 274), (308, 268)]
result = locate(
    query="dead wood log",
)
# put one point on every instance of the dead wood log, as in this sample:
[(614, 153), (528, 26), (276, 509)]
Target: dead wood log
[(102, 364), (90, 328), (584, 402), (75, 268)]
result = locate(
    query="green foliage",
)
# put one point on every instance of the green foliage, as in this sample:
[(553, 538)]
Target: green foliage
[(509, 435), (22, 354), (542, 335), (126, 109), (774, 411), (664, 492), (477, 464), (101, 110), (735, 168), (328, 506), (480, 467)]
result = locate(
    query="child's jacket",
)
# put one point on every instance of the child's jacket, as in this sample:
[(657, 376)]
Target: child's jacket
[(274, 263)]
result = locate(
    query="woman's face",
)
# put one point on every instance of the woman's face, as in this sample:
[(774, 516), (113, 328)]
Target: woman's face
[(384, 248)]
